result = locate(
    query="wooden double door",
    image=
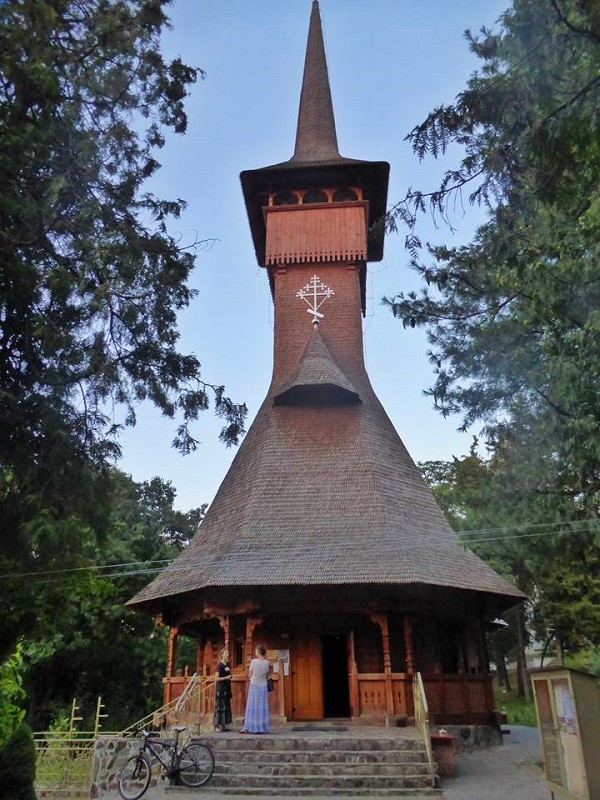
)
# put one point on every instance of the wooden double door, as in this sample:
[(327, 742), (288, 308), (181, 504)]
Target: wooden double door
[(320, 681)]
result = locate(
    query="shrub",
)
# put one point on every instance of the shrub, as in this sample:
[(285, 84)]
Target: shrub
[(12, 695), (17, 766)]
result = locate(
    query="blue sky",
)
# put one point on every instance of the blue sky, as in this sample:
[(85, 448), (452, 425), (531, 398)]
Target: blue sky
[(390, 63)]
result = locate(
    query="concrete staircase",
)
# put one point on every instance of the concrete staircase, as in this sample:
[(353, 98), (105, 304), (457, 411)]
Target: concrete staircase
[(306, 764)]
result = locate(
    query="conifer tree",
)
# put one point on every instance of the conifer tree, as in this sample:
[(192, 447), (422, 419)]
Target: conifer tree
[(17, 766), (513, 318), (91, 279)]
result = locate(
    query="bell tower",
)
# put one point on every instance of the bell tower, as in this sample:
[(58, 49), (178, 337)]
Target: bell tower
[(317, 219), (323, 542)]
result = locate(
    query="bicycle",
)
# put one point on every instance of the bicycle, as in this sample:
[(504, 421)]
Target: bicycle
[(193, 764)]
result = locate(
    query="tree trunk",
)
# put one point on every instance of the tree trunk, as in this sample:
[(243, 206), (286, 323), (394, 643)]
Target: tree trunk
[(522, 680), (560, 653), (500, 662)]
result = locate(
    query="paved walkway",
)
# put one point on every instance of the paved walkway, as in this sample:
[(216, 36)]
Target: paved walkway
[(507, 772)]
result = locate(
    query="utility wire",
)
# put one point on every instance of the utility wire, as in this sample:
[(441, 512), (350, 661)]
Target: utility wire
[(577, 526)]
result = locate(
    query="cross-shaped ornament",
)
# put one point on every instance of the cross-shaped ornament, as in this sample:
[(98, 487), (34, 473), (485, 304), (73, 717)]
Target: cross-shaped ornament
[(314, 294)]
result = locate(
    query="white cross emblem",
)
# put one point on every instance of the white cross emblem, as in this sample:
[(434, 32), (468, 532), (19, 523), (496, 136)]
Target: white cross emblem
[(314, 294)]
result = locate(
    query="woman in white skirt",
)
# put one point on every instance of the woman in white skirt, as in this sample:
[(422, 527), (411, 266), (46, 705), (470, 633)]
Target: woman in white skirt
[(257, 704)]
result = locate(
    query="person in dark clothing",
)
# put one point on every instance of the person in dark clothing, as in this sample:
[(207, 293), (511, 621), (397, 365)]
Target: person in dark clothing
[(222, 716)]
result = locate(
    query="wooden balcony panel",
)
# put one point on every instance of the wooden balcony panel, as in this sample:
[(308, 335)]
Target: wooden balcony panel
[(339, 230)]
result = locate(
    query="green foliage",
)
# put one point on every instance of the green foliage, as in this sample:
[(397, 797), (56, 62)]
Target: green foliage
[(513, 317), (587, 660), (509, 526), (91, 279), (17, 766), (518, 711), (12, 695), (103, 648)]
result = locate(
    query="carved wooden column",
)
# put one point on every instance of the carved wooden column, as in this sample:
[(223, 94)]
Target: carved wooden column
[(251, 624), (200, 655), (171, 650), (410, 663), (382, 621), (354, 693), (171, 660), (280, 691), (484, 659), (408, 644), (225, 627)]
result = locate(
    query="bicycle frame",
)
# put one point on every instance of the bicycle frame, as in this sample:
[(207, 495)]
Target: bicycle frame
[(171, 765)]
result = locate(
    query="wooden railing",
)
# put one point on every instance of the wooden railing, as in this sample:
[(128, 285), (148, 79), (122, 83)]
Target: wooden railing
[(422, 716), (467, 696), (371, 694)]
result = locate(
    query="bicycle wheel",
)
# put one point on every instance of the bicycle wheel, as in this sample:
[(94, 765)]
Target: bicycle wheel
[(197, 764), (134, 778)]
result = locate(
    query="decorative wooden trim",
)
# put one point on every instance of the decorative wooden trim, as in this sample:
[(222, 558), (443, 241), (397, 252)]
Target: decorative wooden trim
[(408, 644)]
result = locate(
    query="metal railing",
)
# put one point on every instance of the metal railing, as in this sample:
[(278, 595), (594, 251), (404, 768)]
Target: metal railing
[(64, 757), (185, 708), (422, 717)]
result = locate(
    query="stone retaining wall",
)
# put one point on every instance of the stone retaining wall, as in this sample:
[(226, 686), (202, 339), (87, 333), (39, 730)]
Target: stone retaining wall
[(110, 755), (472, 737)]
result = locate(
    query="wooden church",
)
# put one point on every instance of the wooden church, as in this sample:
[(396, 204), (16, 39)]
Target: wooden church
[(323, 542)]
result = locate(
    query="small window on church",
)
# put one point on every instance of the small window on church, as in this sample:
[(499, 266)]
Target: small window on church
[(344, 195), (285, 199), (314, 196)]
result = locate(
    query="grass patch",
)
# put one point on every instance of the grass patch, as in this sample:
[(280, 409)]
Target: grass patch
[(517, 710)]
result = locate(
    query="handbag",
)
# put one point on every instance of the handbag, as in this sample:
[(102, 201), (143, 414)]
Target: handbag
[(270, 685)]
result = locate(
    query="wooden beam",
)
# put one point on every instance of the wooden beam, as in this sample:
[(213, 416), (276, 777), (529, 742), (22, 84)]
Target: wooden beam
[(408, 644), (382, 621), (171, 650), (354, 695), (224, 622)]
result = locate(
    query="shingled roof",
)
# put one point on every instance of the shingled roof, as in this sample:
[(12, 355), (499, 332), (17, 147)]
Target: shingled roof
[(325, 495), (318, 379)]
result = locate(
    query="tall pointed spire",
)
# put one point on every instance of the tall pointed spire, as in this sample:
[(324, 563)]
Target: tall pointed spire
[(316, 139)]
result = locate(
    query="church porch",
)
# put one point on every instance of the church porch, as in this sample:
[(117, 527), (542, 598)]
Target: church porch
[(354, 664)]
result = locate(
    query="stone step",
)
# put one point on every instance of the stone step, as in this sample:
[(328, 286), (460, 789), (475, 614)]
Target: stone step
[(337, 781), (409, 794), (267, 742), (331, 757), (258, 791), (319, 765), (323, 769)]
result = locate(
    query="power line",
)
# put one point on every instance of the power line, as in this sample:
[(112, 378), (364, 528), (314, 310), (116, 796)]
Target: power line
[(577, 526), (89, 568)]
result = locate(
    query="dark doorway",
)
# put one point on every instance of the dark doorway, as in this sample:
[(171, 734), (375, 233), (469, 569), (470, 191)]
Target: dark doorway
[(336, 689)]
